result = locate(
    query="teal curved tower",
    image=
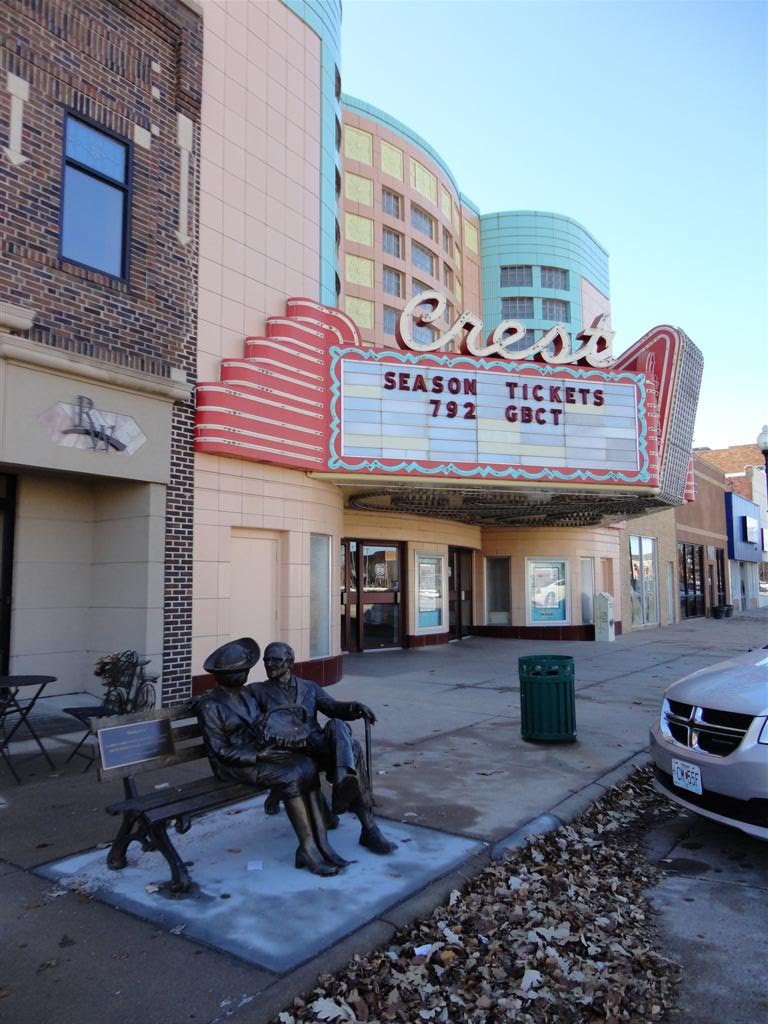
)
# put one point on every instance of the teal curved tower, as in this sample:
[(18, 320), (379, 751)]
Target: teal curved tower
[(542, 269)]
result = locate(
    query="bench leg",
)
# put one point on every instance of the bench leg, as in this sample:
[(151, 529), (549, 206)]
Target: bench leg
[(180, 880), (131, 830)]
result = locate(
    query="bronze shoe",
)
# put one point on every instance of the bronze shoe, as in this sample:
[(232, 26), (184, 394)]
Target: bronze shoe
[(373, 839), (317, 867)]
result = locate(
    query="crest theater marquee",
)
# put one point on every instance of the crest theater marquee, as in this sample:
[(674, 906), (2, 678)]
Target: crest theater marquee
[(561, 433)]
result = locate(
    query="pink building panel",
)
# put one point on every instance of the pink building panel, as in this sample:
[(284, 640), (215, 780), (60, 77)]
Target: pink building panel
[(259, 177)]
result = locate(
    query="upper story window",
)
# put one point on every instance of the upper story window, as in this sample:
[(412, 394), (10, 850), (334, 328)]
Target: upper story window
[(517, 276), (392, 203), (392, 281), (417, 287), (422, 258), (392, 242), (447, 242), (423, 334), (555, 309), (554, 277), (391, 316), (422, 221), (96, 193), (447, 277), (517, 308)]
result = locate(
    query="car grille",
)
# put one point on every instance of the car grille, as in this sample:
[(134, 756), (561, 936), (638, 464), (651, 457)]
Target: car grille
[(707, 729)]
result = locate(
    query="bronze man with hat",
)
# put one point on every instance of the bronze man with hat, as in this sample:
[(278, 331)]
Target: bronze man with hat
[(332, 745), (232, 725)]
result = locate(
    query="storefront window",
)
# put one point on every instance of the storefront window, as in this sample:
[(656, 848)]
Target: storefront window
[(643, 582), (548, 589), (497, 591), (429, 592), (319, 595), (691, 569), (587, 590)]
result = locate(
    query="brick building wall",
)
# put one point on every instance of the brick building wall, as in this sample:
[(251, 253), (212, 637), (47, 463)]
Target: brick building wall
[(133, 68)]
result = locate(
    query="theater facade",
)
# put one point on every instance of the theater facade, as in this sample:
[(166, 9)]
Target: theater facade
[(411, 426)]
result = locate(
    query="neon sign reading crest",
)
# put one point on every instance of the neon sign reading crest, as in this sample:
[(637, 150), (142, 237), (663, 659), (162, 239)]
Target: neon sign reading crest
[(554, 347)]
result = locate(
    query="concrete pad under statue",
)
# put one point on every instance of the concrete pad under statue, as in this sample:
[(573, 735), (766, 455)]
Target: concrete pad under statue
[(249, 900)]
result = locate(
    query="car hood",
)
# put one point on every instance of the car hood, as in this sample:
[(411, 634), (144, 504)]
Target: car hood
[(739, 684)]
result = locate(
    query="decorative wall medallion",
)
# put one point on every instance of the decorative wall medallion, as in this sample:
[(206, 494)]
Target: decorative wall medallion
[(96, 430)]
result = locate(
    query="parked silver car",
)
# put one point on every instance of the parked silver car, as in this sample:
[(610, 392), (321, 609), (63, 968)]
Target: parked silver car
[(710, 744)]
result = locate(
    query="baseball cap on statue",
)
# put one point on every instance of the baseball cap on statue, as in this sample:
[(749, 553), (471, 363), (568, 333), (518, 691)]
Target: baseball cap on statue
[(233, 656)]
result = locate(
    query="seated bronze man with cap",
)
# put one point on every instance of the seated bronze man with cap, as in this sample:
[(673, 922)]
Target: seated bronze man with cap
[(238, 748), (331, 746)]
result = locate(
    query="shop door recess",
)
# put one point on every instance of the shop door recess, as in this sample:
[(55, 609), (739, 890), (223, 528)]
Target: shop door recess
[(7, 518), (371, 583), (459, 592)]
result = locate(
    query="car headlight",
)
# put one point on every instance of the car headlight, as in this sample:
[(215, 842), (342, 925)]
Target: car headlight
[(763, 737)]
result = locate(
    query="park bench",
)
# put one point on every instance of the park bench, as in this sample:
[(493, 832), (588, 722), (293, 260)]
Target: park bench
[(133, 745)]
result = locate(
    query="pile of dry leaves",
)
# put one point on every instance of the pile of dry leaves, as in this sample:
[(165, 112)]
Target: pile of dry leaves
[(558, 932)]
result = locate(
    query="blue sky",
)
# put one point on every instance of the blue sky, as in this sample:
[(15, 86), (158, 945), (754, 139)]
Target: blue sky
[(644, 121)]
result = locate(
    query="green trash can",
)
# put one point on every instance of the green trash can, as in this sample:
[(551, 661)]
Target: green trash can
[(547, 698)]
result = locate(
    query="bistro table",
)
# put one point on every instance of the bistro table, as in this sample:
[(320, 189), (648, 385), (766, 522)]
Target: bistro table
[(12, 702)]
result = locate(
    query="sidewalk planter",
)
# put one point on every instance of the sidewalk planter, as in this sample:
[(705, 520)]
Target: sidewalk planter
[(547, 698), (718, 611), (728, 610)]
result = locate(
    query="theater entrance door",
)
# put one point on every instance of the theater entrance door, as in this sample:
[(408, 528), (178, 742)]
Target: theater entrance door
[(371, 606)]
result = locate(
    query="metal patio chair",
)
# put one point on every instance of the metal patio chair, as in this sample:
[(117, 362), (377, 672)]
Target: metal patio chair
[(128, 688)]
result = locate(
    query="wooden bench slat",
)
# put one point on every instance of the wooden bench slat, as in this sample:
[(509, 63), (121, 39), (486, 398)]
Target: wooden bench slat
[(199, 804), (169, 794)]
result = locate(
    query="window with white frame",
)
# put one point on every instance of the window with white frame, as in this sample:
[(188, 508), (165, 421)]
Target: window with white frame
[(391, 316), (422, 221), (392, 242), (555, 309), (447, 242), (643, 581), (498, 590), (392, 281), (554, 277), (517, 307), (391, 203), (422, 258), (319, 595), (517, 276), (548, 591), (430, 591)]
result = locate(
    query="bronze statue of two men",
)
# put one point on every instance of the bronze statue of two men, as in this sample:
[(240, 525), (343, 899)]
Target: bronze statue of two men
[(267, 734)]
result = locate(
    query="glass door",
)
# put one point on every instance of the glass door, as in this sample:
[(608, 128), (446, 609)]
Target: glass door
[(371, 609), (459, 592)]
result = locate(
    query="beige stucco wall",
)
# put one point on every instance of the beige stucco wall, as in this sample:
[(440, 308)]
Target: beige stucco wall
[(242, 499), (602, 544), (88, 572)]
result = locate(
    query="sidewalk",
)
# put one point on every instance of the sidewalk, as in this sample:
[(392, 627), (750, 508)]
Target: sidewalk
[(448, 756)]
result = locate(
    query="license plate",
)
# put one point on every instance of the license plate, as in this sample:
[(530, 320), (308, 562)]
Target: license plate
[(686, 776)]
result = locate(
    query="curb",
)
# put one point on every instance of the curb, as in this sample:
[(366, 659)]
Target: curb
[(570, 808)]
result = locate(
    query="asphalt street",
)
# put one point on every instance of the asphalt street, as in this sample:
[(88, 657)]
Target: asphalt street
[(711, 912)]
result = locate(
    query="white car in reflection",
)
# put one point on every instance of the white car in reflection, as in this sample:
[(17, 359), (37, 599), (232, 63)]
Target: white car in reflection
[(550, 595), (710, 744)]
